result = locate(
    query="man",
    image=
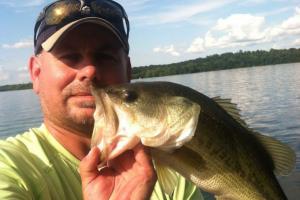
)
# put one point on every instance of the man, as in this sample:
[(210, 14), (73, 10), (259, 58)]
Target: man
[(77, 43)]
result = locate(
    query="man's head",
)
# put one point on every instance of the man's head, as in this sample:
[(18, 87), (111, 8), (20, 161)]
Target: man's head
[(79, 51), (61, 16)]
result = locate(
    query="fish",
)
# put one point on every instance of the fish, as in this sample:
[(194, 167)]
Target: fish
[(190, 134)]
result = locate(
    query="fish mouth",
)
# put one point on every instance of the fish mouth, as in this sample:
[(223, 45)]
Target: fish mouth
[(109, 111), (106, 124), (112, 131)]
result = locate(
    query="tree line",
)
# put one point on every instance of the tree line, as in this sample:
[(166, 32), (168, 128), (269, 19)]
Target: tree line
[(210, 63), (16, 87), (220, 62)]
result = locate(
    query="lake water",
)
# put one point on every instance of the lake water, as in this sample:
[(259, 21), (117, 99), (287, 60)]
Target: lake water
[(268, 96)]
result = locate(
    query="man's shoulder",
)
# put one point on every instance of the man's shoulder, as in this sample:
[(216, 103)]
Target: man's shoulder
[(21, 142), (22, 148), (31, 164)]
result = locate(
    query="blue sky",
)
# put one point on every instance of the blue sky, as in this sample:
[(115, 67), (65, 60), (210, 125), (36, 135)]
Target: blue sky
[(165, 31)]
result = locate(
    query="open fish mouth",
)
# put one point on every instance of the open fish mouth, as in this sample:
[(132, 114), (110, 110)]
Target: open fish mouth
[(108, 134), (106, 124)]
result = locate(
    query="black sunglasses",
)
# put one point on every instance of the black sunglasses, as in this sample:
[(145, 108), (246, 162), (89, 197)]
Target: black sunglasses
[(62, 12)]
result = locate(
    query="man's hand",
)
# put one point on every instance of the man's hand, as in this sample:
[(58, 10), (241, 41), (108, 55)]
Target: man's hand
[(129, 176)]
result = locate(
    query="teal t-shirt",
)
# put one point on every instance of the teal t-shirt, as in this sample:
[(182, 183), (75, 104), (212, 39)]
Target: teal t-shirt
[(34, 165)]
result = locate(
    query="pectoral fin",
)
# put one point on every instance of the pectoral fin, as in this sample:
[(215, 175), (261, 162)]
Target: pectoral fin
[(167, 178)]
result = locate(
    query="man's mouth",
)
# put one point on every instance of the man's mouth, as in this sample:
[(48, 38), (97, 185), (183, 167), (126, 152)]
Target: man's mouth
[(82, 94), (85, 99)]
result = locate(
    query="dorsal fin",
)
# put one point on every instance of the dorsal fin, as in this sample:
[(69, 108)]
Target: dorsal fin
[(231, 109), (283, 156), (167, 178)]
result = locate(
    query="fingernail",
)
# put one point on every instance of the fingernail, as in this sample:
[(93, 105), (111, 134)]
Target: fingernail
[(91, 151)]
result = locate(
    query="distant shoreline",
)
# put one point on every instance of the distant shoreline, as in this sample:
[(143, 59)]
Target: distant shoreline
[(241, 59), (14, 87)]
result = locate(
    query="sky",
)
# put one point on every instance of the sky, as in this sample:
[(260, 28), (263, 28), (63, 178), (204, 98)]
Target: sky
[(165, 31)]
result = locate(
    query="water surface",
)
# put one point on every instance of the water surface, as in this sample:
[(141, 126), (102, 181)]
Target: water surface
[(268, 96)]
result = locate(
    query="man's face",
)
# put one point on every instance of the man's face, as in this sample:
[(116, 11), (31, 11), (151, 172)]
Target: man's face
[(63, 77)]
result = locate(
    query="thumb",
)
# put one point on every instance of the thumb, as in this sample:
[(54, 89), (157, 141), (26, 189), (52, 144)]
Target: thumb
[(88, 166)]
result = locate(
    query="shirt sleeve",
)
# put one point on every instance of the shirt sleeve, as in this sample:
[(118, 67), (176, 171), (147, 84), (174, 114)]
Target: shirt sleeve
[(11, 184), (11, 189)]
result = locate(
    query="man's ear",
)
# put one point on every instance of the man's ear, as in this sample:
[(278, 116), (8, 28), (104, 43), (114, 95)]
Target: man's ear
[(128, 69), (34, 66)]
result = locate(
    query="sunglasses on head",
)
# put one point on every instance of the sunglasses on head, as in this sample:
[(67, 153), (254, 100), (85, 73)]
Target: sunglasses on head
[(62, 12)]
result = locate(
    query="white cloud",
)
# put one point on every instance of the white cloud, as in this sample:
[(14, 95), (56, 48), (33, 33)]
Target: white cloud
[(22, 74), (23, 69), (19, 75), (241, 27), (293, 22), (290, 26), (296, 42), (18, 45), (3, 74), (197, 46), (235, 30), (167, 49), (244, 30), (24, 77), (183, 12)]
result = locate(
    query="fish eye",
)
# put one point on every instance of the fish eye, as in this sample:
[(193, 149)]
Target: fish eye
[(129, 96)]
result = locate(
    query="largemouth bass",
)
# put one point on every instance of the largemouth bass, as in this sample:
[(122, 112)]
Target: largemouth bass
[(203, 139)]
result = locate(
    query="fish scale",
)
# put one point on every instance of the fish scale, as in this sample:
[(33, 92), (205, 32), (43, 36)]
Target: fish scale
[(235, 166)]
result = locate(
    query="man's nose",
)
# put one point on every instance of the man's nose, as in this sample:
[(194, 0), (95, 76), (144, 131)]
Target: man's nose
[(88, 72)]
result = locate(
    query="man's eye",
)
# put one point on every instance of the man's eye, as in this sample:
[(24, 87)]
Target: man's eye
[(105, 57), (71, 57)]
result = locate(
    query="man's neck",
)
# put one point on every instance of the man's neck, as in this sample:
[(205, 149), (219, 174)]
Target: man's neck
[(76, 143)]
